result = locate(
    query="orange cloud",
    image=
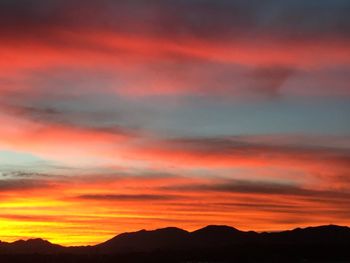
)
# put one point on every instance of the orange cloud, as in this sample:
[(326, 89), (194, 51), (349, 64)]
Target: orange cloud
[(226, 152), (131, 55)]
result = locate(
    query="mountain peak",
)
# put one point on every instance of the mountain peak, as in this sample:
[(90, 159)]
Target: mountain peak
[(169, 230), (327, 228), (218, 228), (35, 243), (32, 241), (146, 240), (165, 231)]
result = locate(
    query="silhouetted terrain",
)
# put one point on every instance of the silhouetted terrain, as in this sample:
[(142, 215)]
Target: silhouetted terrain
[(210, 244)]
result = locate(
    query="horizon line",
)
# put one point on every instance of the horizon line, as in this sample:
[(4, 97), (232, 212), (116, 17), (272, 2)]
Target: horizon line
[(152, 230)]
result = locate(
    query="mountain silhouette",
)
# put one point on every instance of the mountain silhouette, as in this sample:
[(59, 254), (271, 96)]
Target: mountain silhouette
[(216, 236), (165, 238), (37, 245), (330, 234), (212, 243)]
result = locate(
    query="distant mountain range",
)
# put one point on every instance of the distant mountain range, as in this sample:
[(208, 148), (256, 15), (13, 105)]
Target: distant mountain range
[(222, 243)]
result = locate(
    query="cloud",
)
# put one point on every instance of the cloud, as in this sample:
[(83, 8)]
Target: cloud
[(88, 34), (198, 18), (53, 134), (128, 197), (48, 116), (24, 174), (9, 185), (226, 151), (269, 81), (222, 49), (256, 187)]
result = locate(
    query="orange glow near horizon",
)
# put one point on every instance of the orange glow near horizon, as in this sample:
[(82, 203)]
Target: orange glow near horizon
[(91, 209)]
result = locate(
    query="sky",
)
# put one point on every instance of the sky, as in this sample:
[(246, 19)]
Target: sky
[(125, 115)]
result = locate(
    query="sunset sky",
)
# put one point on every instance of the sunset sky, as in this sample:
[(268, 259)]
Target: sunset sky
[(125, 115)]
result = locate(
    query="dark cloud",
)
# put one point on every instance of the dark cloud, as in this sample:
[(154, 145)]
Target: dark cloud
[(38, 113), (261, 206), (268, 81), (22, 184), (27, 174), (201, 18), (129, 197), (262, 187), (74, 119), (73, 97)]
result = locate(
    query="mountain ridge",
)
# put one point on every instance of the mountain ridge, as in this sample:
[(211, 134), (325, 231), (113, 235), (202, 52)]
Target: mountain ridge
[(213, 243), (210, 231)]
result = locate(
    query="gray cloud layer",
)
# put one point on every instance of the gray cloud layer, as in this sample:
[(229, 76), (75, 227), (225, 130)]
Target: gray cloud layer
[(202, 18)]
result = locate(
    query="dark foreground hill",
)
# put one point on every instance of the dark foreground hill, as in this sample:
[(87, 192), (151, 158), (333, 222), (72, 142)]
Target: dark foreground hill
[(210, 244)]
